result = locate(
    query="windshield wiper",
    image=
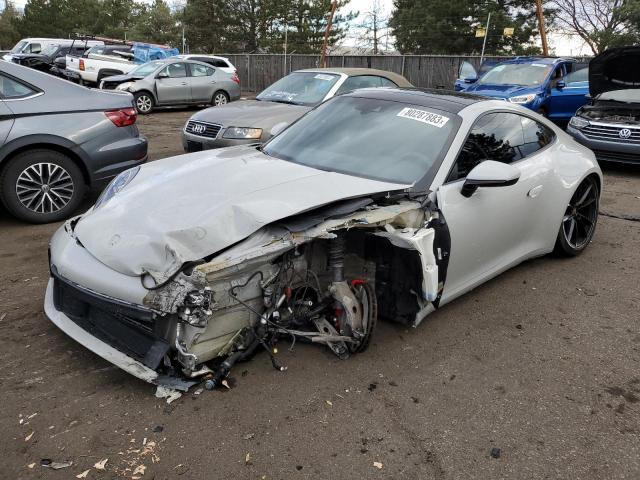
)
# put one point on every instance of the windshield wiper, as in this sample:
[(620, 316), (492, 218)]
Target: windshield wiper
[(287, 102)]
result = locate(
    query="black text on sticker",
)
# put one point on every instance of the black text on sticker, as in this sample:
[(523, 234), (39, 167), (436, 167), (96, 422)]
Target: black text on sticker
[(423, 116)]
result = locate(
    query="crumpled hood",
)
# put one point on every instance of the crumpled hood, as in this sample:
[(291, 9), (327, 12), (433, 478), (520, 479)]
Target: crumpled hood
[(252, 113), (614, 69), (185, 208), (500, 91)]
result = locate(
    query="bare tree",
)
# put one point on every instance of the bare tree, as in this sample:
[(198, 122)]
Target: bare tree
[(373, 28), (600, 23)]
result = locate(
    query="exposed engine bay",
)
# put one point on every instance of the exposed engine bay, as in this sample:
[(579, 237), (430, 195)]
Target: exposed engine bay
[(323, 277), (611, 112)]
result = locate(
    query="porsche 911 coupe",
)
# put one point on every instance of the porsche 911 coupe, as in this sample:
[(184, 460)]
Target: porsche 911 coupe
[(377, 204)]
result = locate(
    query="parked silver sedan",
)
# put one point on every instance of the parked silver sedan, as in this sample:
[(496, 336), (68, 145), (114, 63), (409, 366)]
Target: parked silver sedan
[(279, 105), (175, 81)]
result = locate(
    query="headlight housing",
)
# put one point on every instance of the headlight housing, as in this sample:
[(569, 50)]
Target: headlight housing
[(243, 133), (522, 99), (116, 185), (579, 123), (124, 86)]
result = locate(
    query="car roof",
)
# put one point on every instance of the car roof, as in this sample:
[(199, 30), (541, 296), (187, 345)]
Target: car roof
[(355, 72), (543, 60), (203, 55), (446, 100)]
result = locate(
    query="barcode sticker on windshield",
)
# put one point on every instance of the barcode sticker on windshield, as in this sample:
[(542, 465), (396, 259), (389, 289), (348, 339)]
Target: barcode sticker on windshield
[(322, 76), (424, 116)]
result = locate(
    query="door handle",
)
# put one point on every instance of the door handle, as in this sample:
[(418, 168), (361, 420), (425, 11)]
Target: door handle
[(183, 83)]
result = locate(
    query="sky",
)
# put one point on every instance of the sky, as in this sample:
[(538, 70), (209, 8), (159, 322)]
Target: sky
[(560, 44)]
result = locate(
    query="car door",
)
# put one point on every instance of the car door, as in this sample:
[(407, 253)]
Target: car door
[(202, 82), (569, 94), (496, 228), (172, 86)]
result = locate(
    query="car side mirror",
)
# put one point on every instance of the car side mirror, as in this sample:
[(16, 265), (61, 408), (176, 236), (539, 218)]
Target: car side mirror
[(278, 128), (490, 174), (560, 84), (162, 75), (471, 80)]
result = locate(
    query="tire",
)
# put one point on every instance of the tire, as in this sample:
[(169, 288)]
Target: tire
[(219, 98), (579, 220), (42, 186), (144, 102)]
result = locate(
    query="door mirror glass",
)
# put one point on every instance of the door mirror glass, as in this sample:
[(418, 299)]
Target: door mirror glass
[(490, 174), (471, 80), (163, 74), (561, 84)]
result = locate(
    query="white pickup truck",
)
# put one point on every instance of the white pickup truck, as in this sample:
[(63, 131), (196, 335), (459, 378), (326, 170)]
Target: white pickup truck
[(99, 62)]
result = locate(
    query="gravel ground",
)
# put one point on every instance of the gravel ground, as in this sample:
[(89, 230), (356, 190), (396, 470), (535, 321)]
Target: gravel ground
[(541, 363)]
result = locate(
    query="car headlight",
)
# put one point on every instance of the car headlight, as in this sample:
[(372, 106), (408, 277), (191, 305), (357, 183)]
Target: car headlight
[(243, 133), (124, 86), (579, 123), (522, 99), (116, 185)]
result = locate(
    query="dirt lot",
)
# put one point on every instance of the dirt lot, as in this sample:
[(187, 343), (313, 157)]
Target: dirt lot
[(542, 363)]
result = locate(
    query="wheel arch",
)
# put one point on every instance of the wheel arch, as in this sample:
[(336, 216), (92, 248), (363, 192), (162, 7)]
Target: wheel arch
[(45, 142), (148, 92)]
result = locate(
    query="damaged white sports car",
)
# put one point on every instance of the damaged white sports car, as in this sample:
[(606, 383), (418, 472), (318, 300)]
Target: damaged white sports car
[(379, 204)]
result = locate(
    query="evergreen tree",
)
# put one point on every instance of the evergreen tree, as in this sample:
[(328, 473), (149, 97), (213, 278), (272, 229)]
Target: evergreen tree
[(9, 35), (449, 26)]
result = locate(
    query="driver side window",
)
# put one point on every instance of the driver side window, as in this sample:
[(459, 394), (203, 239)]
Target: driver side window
[(176, 70), (503, 137)]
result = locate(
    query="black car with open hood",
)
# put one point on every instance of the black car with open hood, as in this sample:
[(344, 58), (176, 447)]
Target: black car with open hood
[(610, 124)]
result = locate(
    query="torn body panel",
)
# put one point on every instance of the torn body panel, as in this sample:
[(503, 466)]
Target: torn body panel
[(322, 277)]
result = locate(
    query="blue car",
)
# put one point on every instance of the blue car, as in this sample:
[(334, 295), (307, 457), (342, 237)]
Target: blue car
[(553, 87)]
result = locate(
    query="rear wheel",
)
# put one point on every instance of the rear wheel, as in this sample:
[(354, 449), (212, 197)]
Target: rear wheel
[(41, 186), (144, 102), (219, 98), (579, 221)]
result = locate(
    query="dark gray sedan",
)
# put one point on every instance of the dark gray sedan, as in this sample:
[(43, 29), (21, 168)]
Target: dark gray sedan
[(251, 121), (176, 81), (57, 140)]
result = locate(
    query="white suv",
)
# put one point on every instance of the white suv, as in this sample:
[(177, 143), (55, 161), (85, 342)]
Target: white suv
[(219, 62)]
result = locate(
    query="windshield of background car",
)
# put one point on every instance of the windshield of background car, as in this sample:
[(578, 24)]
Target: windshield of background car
[(631, 95), (525, 74), (145, 69), (300, 88), (19, 46), (365, 137)]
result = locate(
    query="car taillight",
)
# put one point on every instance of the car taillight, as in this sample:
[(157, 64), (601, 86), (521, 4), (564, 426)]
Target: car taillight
[(123, 117), (81, 64), (235, 78)]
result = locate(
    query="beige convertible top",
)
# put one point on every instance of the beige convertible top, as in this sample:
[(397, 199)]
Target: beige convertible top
[(399, 80)]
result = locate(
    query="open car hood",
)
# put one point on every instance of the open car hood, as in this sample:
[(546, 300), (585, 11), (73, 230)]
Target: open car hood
[(614, 69), (188, 207)]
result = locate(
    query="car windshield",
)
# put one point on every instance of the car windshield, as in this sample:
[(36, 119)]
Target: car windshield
[(526, 74), (19, 46), (145, 69), (300, 88), (371, 138)]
